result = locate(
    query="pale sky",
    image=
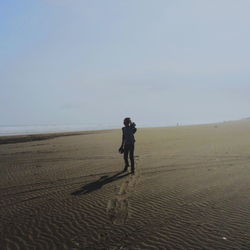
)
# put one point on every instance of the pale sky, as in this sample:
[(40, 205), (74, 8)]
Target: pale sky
[(95, 62)]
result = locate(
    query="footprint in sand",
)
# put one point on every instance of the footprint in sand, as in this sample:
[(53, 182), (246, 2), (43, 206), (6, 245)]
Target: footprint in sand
[(117, 208), (117, 211)]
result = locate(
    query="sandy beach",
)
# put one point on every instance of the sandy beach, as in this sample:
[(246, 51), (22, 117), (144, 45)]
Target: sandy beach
[(66, 191)]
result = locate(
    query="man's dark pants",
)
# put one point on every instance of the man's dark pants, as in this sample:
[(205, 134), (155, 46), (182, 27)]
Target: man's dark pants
[(129, 150)]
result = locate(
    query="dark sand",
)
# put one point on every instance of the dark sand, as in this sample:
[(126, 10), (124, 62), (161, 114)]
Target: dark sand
[(191, 190)]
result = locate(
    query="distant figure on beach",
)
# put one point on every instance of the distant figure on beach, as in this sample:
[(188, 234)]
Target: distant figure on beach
[(128, 143)]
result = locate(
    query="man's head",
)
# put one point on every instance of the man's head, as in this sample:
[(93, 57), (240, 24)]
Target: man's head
[(127, 121)]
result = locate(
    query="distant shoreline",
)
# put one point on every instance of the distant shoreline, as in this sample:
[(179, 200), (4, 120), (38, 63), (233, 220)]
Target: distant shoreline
[(21, 130), (35, 136), (44, 136)]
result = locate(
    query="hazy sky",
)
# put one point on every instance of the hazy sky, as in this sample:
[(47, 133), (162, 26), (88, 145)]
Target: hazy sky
[(157, 61)]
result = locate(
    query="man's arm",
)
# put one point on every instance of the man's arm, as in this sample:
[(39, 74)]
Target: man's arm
[(121, 148), (134, 129), (122, 140)]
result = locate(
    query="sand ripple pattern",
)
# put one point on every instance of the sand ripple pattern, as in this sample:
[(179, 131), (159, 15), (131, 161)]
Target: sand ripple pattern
[(190, 191)]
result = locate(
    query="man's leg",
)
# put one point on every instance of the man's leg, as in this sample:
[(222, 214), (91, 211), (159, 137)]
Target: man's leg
[(131, 156), (125, 155)]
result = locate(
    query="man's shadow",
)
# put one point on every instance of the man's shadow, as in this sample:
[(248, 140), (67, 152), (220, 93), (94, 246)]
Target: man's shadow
[(93, 186)]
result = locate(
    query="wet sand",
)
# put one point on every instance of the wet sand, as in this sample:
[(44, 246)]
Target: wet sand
[(190, 191)]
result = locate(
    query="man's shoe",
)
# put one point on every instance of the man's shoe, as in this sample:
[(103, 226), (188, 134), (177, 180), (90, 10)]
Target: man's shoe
[(132, 171), (125, 169)]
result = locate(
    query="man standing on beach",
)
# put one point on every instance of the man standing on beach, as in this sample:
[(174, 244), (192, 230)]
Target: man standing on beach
[(128, 143)]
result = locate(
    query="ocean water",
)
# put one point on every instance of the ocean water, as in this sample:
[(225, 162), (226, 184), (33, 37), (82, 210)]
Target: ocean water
[(40, 129)]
